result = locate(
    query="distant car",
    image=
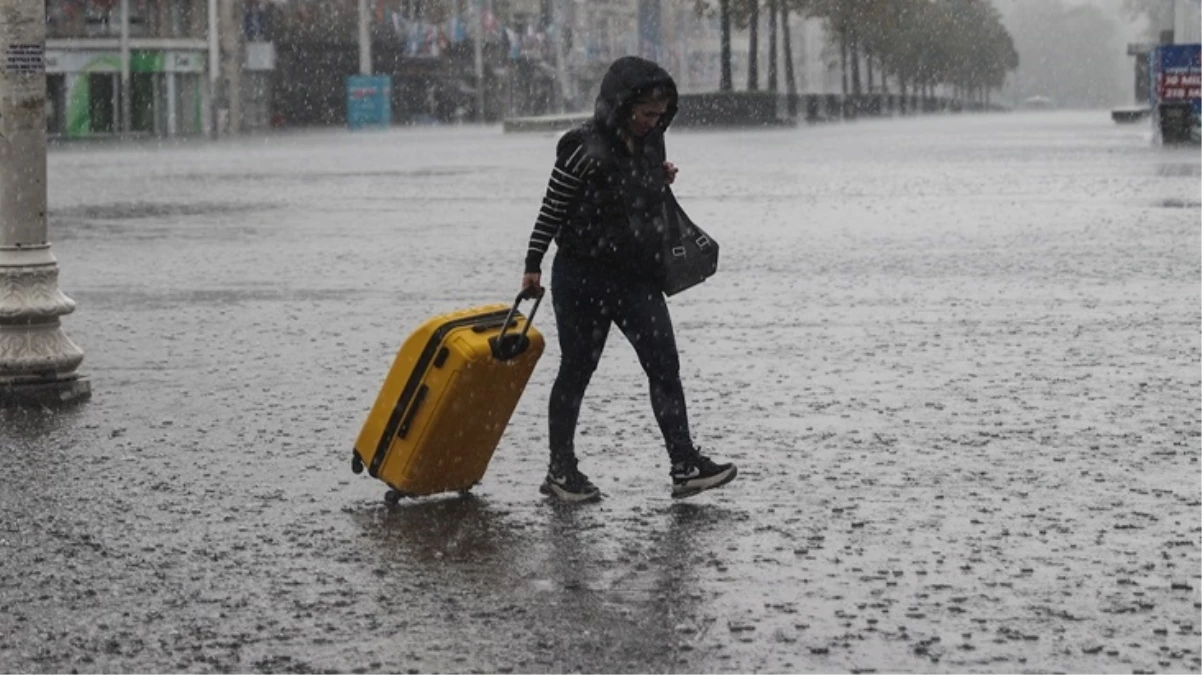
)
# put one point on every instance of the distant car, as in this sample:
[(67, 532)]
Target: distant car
[(1038, 103)]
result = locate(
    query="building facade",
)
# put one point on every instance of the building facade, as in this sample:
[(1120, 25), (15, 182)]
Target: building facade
[(170, 87), (285, 62)]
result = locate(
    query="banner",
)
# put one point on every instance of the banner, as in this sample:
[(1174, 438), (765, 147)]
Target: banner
[(1178, 74)]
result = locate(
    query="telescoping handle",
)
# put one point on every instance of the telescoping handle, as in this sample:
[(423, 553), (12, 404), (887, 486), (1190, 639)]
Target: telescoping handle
[(508, 345)]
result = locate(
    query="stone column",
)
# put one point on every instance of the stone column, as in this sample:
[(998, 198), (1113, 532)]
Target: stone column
[(37, 360)]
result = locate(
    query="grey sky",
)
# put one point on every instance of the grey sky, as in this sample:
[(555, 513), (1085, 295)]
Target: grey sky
[(1131, 29)]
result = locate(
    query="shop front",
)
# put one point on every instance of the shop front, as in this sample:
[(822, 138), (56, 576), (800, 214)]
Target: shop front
[(168, 94)]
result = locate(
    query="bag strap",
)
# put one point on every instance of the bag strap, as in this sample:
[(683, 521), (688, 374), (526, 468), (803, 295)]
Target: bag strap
[(672, 213)]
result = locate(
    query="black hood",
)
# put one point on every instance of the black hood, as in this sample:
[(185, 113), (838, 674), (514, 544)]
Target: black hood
[(629, 78)]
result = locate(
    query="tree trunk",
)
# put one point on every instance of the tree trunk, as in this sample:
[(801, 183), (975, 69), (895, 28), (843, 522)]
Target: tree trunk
[(855, 61), (726, 83), (903, 104), (843, 57), (790, 82), (790, 79), (772, 78), (868, 61), (753, 52)]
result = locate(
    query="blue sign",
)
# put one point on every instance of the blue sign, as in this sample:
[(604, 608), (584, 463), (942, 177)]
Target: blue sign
[(368, 101), (1177, 75)]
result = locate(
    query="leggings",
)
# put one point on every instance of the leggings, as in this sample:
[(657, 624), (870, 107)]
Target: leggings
[(587, 299)]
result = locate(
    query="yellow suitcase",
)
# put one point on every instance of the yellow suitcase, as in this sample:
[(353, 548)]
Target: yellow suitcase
[(449, 395)]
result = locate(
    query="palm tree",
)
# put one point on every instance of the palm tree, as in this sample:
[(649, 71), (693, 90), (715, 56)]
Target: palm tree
[(753, 43), (790, 80), (726, 83), (704, 8), (919, 44), (772, 46)]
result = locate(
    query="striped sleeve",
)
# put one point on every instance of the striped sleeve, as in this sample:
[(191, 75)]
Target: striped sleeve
[(572, 168)]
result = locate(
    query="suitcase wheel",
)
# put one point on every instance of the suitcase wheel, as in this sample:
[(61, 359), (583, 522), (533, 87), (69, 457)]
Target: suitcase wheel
[(392, 497), (356, 464)]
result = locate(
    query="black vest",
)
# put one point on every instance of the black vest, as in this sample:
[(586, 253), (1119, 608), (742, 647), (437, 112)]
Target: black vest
[(617, 221)]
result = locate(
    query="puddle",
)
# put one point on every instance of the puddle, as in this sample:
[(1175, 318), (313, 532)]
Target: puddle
[(1181, 204), (143, 210), (1179, 169), (324, 176), (143, 299)]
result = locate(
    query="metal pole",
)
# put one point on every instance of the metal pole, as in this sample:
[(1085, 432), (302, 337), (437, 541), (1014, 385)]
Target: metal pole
[(214, 67), (126, 102), (364, 40), (1191, 21), (37, 360), (229, 15), (1185, 17), (479, 47), (1180, 23), (172, 114)]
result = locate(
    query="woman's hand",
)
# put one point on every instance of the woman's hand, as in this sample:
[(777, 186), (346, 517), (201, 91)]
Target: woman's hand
[(531, 280), (670, 172)]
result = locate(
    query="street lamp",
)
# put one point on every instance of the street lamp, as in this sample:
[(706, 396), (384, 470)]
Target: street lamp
[(37, 360)]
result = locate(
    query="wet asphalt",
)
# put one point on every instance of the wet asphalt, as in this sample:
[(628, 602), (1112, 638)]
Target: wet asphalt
[(956, 359)]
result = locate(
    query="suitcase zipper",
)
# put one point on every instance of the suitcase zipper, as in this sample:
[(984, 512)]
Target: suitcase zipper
[(399, 419), (407, 421)]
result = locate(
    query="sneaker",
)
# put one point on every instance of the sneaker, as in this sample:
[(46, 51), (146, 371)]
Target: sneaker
[(570, 486), (700, 474)]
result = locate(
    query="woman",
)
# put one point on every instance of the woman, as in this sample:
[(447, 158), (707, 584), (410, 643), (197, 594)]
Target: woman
[(608, 183)]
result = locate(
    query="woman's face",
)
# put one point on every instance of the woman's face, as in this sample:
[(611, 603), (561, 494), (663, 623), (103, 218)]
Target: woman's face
[(646, 116)]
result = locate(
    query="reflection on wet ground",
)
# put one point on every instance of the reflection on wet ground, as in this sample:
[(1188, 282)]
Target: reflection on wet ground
[(144, 299), (1181, 204), (1186, 169), (141, 210)]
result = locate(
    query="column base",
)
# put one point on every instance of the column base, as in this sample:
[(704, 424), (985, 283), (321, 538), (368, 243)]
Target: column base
[(46, 393)]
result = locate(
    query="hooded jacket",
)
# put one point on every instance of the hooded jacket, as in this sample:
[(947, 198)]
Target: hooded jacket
[(603, 200)]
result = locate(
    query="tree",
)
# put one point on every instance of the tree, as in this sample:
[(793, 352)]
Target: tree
[(772, 46), (921, 43), (746, 15), (787, 39), (725, 11), (702, 8), (753, 43)]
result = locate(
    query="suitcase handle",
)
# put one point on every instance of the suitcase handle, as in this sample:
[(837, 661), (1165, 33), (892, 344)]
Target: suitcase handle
[(508, 345)]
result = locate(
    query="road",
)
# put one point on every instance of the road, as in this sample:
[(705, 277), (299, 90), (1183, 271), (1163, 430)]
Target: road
[(956, 359)]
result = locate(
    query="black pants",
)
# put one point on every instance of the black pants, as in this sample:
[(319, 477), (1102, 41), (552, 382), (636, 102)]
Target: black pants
[(587, 300)]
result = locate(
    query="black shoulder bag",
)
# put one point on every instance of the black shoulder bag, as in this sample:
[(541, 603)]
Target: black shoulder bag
[(689, 255)]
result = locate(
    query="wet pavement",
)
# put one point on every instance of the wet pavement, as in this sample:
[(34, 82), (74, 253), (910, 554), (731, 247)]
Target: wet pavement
[(956, 360)]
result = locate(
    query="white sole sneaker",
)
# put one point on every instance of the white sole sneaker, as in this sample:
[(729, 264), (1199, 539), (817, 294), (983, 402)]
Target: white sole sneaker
[(693, 486)]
